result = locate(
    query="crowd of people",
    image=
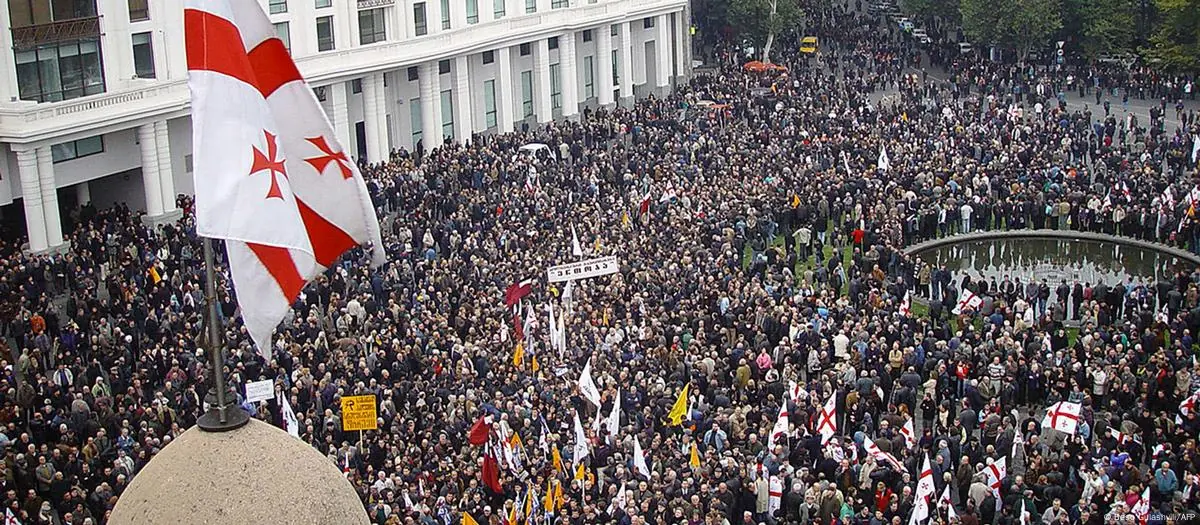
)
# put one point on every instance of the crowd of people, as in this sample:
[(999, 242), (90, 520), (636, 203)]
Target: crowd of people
[(763, 269)]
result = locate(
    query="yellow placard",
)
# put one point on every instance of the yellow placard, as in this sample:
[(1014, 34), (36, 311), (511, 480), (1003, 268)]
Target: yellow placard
[(358, 413)]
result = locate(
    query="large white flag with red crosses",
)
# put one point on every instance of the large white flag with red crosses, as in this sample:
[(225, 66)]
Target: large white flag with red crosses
[(1063, 416), (271, 179)]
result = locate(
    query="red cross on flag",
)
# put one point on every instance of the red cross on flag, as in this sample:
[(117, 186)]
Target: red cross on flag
[(9, 518), (1189, 405), (966, 299), (1141, 509), (1063, 416), (995, 474), (779, 431), (827, 419), (271, 179), (909, 433), (925, 491)]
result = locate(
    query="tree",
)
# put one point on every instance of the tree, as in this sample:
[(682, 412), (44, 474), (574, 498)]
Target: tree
[(760, 20), (1021, 25), (1176, 42), (1101, 26), (929, 10)]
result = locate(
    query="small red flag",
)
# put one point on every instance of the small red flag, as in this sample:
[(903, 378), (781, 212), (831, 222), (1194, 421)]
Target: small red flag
[(479, 432)]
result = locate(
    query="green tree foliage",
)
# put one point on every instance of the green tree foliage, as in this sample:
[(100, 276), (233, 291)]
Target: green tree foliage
[(1021, 25), (759, 21), (1100, 26), (1175, 44), (927, 10)]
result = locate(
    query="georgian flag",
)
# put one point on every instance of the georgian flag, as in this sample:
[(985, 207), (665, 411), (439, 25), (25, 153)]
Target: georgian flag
[(995, 473), (779, 431), (1122, 439), (906, 305), (1063, 416), (289, 416), (827, 419), (881, 456), (925, 491), (9, 518), (966, 299), (1189, 405), (1141, 509), (945, 503), (271, 178), (909, 433)]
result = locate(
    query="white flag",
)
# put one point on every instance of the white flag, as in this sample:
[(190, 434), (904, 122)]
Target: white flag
[(910, 438), (614, 418), (827, 420), (1024, 519), (576, 250), (581, 444), (884, 164), (906, 304), (617, 502), (966, 299), (944, 502), (779, 431), (9, 518), (271, 178), (1141, 509), (289, 416), (882, 456), (995, 473), (774, 494), (639, 459), (924, 495), (587, 387), (1189, 405), (1063, 416)]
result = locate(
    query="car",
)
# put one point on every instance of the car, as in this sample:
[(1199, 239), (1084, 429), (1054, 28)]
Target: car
[(920, 34), (1124, 60), (808, 44)]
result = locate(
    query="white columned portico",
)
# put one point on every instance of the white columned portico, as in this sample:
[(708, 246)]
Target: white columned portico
[(166, 171), (541, 79), (372, 85), (604, 65), (504, 91), (340, 114), (150, 180), (625, 77), (662, 46), (46, 180), (683, 45), (569, 74), (431, 105), (462, 100), (31, 194)]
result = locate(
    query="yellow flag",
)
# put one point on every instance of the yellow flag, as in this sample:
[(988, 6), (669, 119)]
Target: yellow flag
[(548, 500), (795, 200), (596, 247), (624, 218), (515, 441), (519, 353), (679, 409), (605, 317), (559, 499), (154, 275), (512, 514), (556, 459), (580, 473), (695, 461), (468, 520), (536, 366), (528, 500)]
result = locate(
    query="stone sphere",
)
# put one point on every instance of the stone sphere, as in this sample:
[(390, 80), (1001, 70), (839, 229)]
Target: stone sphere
[(253, 475)]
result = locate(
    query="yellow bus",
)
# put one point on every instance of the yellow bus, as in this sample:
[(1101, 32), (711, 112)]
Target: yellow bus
[(808, 44)]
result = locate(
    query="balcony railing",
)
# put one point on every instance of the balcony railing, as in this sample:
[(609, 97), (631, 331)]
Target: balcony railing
[(31, 36)]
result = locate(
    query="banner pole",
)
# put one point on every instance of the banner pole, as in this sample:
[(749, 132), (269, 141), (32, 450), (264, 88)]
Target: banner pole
[(220, 415)]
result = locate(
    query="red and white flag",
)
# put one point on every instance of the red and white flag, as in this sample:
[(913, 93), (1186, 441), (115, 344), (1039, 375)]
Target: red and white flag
[(1063, 416), (924, 495), (906, 305), (827, 419), (995, 473), (1189, 405), (271, 178), (9, 518), (881, 456), (1141, 509), (779, 431), (966, 299), (909, 433)]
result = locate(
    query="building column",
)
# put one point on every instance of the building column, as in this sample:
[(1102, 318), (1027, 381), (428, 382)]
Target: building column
[(372, 84), (683, 46), (46, 180), (604, 65), (150, 179), (431, 104), (625, 75), (31, 194), (541, 81), (462, 100), (382, 98), (662, 44), (8, 83), (340, 114), (569, 74), (504, 91), (433, 17), (513, 8), (458, 14), (83, 193), (166, 171)]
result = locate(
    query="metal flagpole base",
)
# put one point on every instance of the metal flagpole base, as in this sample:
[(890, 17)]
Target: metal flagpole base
[(218, 418)]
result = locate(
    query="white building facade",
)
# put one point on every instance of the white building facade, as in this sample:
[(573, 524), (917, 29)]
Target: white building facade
[(94, 102)]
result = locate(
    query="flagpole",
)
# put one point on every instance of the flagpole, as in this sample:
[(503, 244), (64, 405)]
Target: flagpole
[(222, 414)]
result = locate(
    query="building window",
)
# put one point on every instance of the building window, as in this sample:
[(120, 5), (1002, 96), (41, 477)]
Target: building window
[(445, 14), (489, 103), (320, 93), (77, 148), (284, 34), (559, 4), (414, 73), (143, 55), (648, 22), (526, 93), (371, 26), (68, 70), (587, 35), (278, 6), (616, 78), (614, 30), (325, 40), (498, 9), (421, 26), (489, 57), (530, 6), (356, 86), (444, 67), (414, 119), (472, 11), (552, 43), (525, 48), (321, 4), (139, 10), (589, 78), (447, 114), (555, 86)]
